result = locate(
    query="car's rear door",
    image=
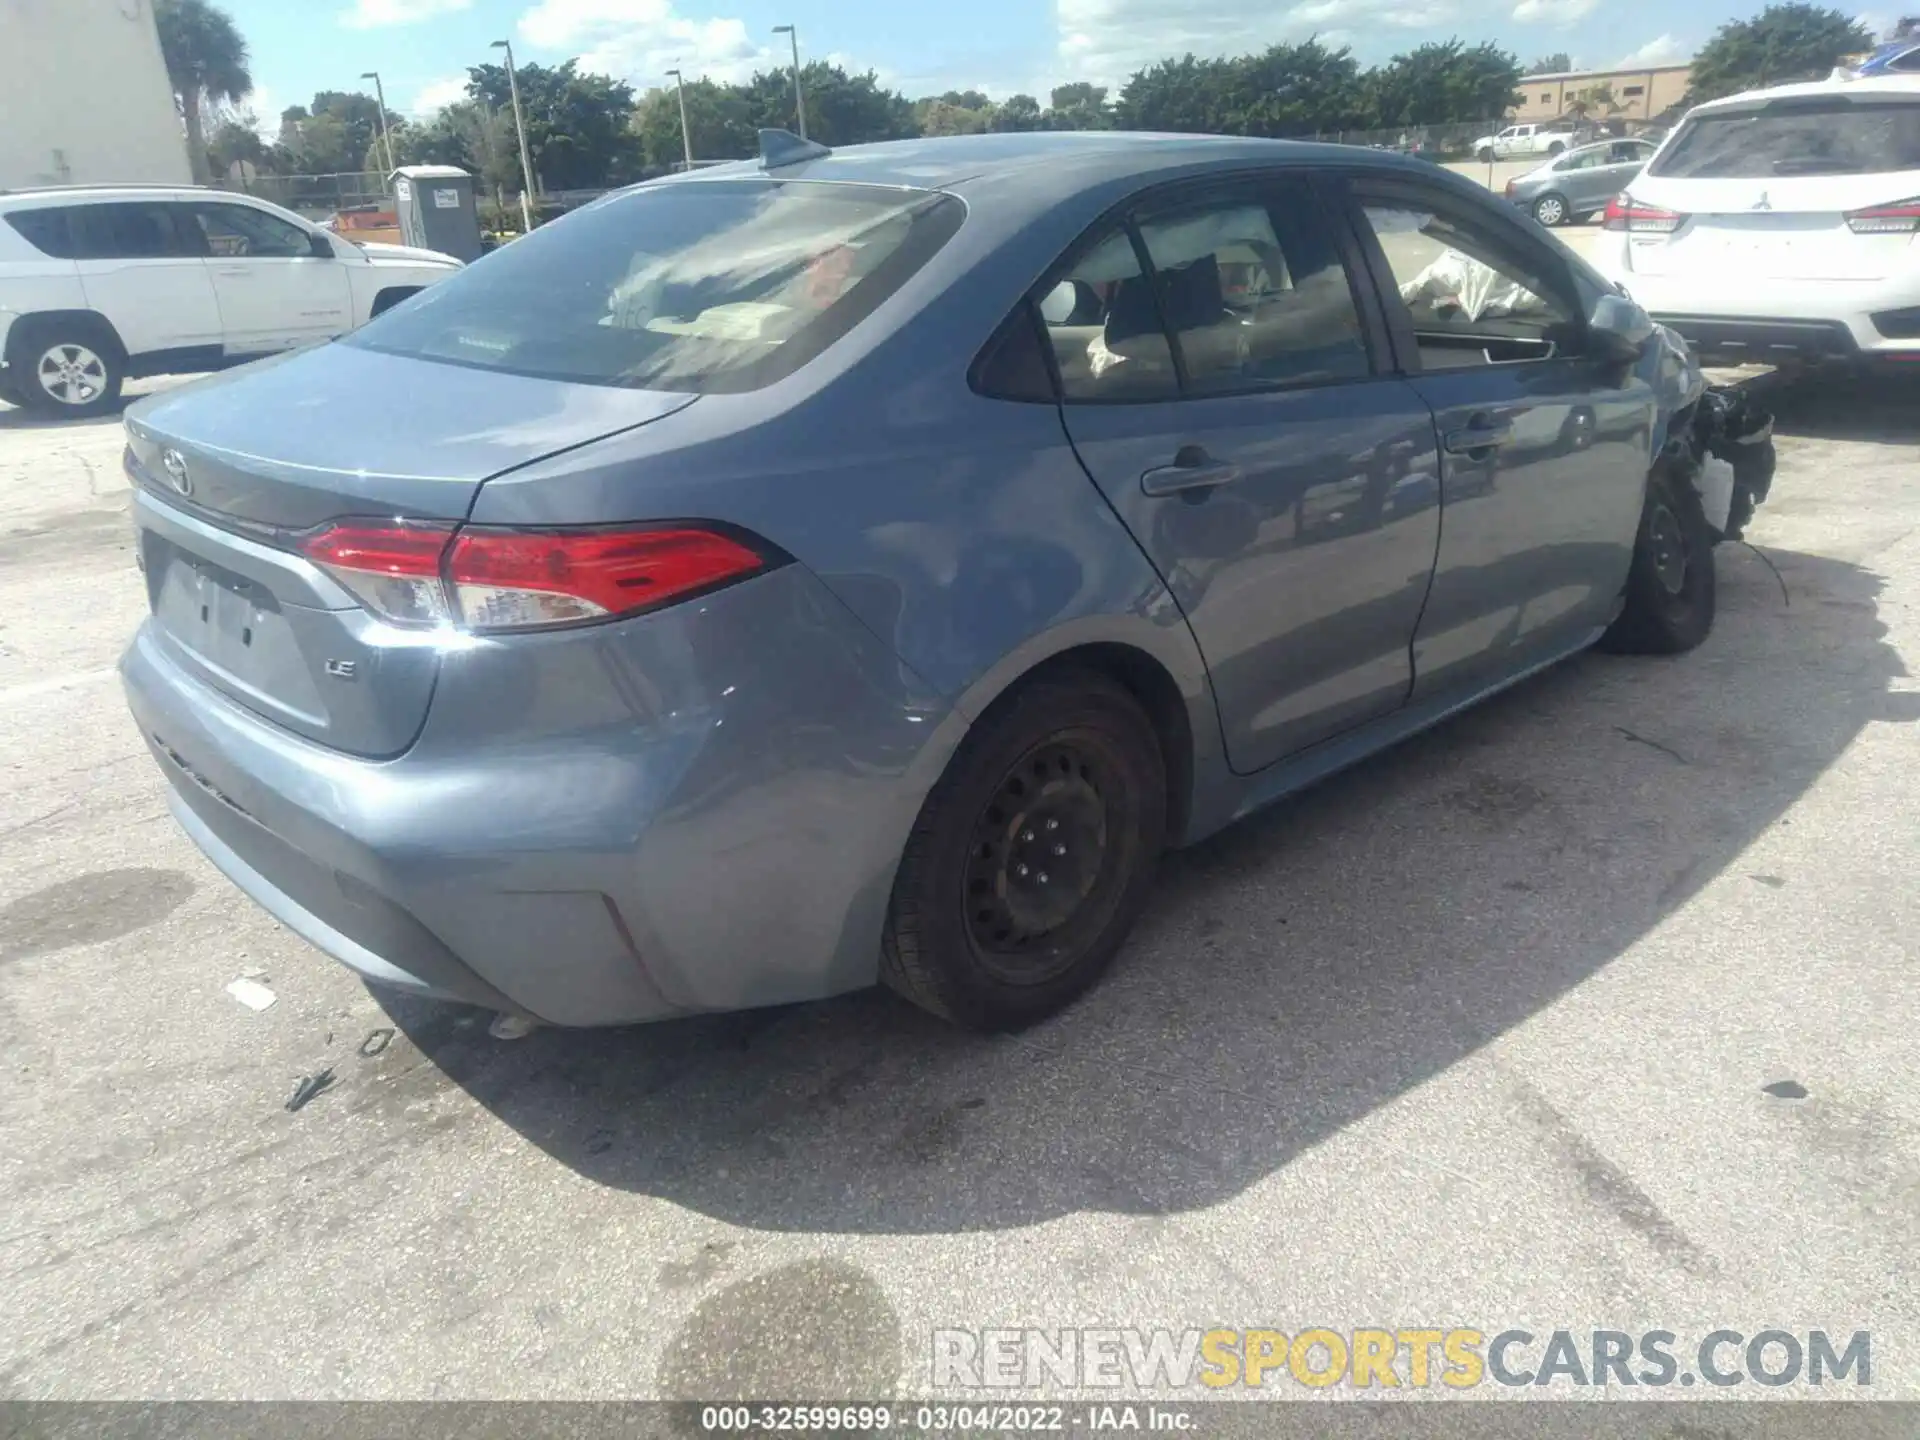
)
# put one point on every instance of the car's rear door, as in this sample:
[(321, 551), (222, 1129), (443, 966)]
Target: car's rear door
[(1225, 385), (143, 271), (1545, 446)]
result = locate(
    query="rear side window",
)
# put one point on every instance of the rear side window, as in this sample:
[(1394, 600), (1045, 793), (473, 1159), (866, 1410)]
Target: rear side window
[(45, 230), (1824, 136), (129, 230), (704, 286)]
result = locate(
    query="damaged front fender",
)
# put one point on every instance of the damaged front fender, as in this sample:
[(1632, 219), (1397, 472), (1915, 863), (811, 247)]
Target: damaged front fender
[(1717, 438)]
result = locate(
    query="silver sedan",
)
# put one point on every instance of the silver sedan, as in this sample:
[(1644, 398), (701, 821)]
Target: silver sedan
[(1579, 183)]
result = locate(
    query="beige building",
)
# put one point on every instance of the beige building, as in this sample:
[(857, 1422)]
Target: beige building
[(1637, 94), (86, 96)]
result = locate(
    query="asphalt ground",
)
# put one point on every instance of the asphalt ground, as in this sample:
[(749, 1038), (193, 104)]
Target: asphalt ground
[(1593, 1008)]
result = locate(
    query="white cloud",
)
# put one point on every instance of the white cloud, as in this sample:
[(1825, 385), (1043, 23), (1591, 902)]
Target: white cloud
[(265, 108), (638, 40), (1105, 41), (1661, 50), (378, 14), (438, 94), (1560, 12)]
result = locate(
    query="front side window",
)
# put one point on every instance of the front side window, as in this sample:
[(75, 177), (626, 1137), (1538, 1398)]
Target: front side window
[(126, 230), (1473, 298), (1822, 136), (694, 286), (1255, 293), (241, 232)]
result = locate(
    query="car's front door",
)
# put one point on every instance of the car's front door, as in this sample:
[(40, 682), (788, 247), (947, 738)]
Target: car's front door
[(1618, 164), (275, 292), (143, 271), (1224, 384), (1545, 446)]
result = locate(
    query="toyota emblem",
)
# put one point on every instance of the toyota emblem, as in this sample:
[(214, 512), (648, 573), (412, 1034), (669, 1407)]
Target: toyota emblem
[(175, 464)]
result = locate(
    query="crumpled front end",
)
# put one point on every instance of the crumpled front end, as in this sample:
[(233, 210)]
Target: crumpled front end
[(1719, 438)]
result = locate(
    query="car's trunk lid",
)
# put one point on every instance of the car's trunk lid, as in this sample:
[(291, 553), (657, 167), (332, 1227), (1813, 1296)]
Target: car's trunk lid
[(232, 471), (1771, 229)]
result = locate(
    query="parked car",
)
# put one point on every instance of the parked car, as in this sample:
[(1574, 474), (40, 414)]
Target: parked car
[(1896, 57), (1781, 224), (1520, 142), (759, 583), (1575, 186), (103, 283)]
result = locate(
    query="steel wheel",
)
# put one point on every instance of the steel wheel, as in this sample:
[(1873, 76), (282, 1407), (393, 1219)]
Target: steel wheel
[(72, 375), (1550, 210), (1038, 852), (1668, 549)]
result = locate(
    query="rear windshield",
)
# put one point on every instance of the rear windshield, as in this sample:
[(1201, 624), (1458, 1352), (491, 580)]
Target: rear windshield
[(700, 286), (1822, 137)]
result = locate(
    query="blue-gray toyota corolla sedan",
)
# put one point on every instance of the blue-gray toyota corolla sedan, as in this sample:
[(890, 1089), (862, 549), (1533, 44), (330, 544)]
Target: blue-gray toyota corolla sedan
[(860, 566)]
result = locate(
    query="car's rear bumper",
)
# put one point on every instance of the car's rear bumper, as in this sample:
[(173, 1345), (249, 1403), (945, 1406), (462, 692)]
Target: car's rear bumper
[(686, 812), (1735, 317)]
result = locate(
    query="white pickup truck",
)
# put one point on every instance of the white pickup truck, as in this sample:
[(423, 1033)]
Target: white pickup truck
[(1521, 142)]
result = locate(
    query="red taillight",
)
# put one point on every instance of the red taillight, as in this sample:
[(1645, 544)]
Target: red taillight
[(497, 579), (392, 569), (1624, 214), (1900, 218), (512, 579)]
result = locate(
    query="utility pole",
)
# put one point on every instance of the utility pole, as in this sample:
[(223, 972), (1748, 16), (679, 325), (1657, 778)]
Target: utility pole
[(686, 136), (799, 101), (520, 127), (380, 96)]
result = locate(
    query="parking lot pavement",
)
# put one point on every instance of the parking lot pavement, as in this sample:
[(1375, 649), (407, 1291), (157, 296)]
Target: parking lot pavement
[(1480, 1033)]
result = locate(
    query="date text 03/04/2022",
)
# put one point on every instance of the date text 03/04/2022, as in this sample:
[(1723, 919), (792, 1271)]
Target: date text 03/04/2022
[(942, 1419)]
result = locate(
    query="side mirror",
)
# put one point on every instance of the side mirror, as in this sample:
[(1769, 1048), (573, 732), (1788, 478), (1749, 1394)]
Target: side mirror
[(323, 248), (1618, 328)]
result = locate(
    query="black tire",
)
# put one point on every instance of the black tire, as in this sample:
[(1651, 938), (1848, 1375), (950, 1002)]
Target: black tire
[(965, 938), (1483, 155), (387, 299), (66, 369), (1670, 585), (1556, 148), (1552, 205)]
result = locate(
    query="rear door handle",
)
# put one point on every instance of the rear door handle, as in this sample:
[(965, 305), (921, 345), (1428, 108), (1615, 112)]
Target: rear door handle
[(1192, 469), (233, 273), (1484, 433)]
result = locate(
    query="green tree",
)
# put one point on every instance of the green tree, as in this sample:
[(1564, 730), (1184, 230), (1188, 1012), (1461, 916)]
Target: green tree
[(1781, 44), (842, 109), (339, 132), (719, 119), (1295, 90), (206, 59), (1188, 95), (1017, 112), (577, 123), (1079, 106), (1905, 26), (233, 142), (1558, 63), (1441, 83), (940, 116)]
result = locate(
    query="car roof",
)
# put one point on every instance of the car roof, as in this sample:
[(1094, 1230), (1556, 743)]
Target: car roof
[(72, 193), (1896, 85), (1057, 164)]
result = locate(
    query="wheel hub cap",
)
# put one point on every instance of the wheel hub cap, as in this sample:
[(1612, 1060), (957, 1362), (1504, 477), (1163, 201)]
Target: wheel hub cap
[(1669, 546), (1037, 851), (72, 374)]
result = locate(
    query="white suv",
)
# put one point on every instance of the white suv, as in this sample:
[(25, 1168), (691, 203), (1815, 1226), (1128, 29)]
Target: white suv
[(1781, 225), (103, 283)]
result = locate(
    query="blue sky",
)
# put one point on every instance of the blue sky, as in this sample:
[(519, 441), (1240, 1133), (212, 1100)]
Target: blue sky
[(421, 46)]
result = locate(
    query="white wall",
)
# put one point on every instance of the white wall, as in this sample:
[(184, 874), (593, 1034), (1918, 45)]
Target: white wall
[(84, 97)]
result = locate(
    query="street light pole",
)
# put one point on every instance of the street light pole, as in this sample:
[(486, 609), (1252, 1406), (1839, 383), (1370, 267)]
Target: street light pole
[(380, 96), (799, 101), (686, 136), (520, 128)]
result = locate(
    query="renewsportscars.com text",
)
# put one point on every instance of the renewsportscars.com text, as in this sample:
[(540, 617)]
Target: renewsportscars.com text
[(1454, 1358)]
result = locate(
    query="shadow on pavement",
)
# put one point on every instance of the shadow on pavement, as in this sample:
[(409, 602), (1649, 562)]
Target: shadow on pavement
[(1294, 973), (1838, 405)]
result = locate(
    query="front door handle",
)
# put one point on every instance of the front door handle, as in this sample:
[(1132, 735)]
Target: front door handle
[(234, 273), (1482, 434), (1192, 469)]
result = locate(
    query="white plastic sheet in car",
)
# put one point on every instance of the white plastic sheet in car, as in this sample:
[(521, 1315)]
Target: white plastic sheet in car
[(1480, 289), (1715, 484)]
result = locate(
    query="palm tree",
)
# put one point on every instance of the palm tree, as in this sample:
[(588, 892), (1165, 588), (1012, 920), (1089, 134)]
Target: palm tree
[(207, 63)]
